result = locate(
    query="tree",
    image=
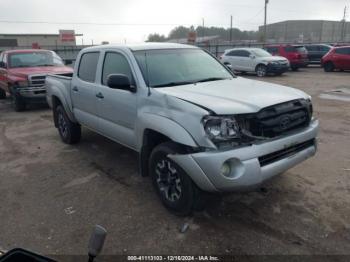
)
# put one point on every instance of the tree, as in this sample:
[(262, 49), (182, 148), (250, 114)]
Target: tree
[(156, 38)]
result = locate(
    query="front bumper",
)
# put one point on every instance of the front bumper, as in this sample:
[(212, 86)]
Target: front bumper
[(300, 63), (271, 68), (247, 171), (35, 93)]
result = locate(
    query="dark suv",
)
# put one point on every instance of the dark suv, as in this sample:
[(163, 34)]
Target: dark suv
[(316, 52)]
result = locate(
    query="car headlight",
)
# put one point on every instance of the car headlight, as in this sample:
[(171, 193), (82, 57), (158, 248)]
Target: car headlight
[(221, 128), (22, 83)]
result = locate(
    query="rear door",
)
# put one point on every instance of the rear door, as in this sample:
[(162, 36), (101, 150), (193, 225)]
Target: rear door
[(344, 58), (117, 109), (246, 61), (83, 90), (313, 53), (339, 58), (233, 58)]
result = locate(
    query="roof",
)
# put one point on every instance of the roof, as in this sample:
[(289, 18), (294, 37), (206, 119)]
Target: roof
[(305, 21), (26, 50), (145, 46), (35, 35)]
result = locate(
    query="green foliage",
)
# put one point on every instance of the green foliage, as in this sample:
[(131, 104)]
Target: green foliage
[(156, 38), (223, 33)]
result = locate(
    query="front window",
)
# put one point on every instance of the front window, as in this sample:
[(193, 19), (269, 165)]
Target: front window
[(34, 59), (172, 67), (261, 53)]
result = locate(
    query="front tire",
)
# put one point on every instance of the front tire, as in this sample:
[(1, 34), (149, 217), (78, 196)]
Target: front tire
[(261, 70), (294, 68), (69, 131), (2, 94), (19, 103), (328, 67), (174, 187)]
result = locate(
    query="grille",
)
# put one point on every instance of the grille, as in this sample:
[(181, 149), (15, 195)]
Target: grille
[(278, 119), (278, 155), (37, 80)]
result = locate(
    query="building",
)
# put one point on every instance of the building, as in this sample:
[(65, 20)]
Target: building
[(65, 38), (303, 31)]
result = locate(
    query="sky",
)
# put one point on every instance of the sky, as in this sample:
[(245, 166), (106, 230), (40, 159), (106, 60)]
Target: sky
[(131, 21)]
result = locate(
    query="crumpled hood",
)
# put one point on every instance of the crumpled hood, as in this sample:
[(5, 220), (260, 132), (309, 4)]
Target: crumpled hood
[(236, 96)]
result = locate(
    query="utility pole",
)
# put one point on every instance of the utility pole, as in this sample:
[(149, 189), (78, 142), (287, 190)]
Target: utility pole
[(265, 18), (231, 30), (343, 24), (202, 29)]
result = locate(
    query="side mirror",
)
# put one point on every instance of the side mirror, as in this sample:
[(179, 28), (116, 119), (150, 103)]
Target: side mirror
[(2, 64), (252, 56), (120, 81), (96, 242)]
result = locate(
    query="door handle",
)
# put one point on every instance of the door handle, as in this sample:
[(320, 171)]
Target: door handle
[(99, 95), (75, 89)]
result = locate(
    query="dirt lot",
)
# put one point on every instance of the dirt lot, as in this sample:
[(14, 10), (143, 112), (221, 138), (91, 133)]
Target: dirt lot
[(52, 194)]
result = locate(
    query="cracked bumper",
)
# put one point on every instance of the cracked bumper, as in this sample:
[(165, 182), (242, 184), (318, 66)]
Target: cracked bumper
[(247, 169)]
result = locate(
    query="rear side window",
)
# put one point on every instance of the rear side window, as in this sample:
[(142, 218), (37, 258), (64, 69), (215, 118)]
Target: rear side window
[(325, 48), (115, 63), (343, 51), (88, 66), (290, 49), (234, 53), (312, 48)]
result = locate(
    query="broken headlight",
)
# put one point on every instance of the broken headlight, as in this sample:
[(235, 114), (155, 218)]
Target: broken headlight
[(221, 128)]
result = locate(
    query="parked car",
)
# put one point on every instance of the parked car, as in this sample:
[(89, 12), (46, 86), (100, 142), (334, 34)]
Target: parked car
[(23, 72), (316, 52), (196, 126), (296, 54), (337, 58), (255, 60)]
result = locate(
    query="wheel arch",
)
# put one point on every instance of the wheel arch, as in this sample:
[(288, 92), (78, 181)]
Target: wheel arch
[(153, 130)]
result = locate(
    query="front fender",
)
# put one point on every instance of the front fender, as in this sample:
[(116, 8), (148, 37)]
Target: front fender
[(165, 126)]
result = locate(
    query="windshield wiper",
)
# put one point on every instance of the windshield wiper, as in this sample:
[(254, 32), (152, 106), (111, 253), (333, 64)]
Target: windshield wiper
[(209, 79), (174, 84)]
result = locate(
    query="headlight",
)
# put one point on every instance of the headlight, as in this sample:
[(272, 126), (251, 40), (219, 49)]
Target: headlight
[(221, 128), (22, 83)]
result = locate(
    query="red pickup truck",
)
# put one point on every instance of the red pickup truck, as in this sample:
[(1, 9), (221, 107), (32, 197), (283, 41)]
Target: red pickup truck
[(23, 73)]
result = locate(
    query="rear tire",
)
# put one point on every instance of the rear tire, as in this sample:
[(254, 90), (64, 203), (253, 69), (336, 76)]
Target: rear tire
[(69, 131), (174, 187), (328, 67), (19, 103), (294, 68), (261, 70), (2, 94)]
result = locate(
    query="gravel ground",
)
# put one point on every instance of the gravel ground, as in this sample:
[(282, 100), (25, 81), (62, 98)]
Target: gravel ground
[(52, 194)]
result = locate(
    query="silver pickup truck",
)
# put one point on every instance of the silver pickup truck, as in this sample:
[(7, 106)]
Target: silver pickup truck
[(196, 126)]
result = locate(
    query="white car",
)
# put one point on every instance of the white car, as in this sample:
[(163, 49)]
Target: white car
[(254, 60)]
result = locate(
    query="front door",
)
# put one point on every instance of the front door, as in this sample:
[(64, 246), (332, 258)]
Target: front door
[(117, 108)]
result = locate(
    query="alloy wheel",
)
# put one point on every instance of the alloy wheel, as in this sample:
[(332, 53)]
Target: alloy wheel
[(168, 180)]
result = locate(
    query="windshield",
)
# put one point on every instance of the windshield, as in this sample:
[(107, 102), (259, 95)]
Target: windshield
[(33, 59), (170, 67), (261, 53)]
